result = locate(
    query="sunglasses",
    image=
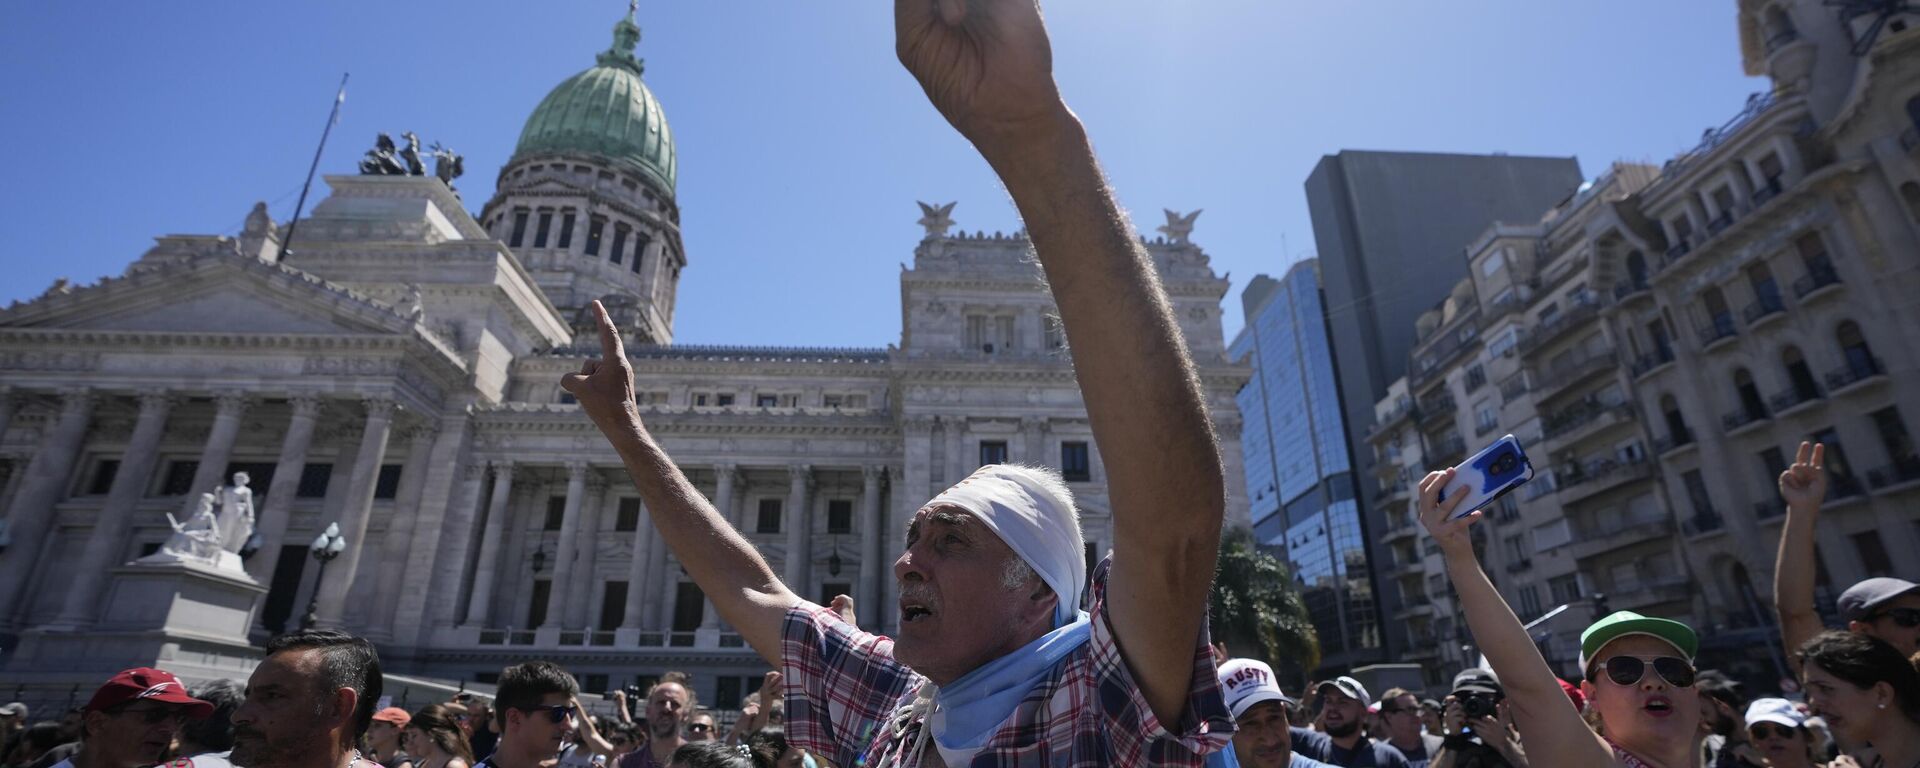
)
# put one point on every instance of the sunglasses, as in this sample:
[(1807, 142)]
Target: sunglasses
[(558, 713), (1628, 670), (699, 728), (1770, 730), (1905, 617)]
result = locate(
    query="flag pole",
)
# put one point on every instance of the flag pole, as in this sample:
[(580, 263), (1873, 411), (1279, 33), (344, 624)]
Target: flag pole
[(339, 98)]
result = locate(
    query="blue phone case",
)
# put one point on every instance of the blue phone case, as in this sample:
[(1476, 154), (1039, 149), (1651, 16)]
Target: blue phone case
[(1486, 476)]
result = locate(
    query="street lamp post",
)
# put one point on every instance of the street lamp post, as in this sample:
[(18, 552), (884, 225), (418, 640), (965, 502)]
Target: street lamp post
[(327, 546)]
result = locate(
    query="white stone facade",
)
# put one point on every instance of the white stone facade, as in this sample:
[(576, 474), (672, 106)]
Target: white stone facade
[(398, 373)]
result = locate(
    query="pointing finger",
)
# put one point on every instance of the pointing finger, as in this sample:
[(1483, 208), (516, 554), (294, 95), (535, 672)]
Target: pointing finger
[(610, 346)]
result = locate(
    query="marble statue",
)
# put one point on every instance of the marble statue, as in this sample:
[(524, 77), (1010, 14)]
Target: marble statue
[(195, 541), (1179, 228), (236, 513), (936, 218)]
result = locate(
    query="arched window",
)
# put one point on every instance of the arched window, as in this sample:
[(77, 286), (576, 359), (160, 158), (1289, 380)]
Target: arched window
[(1799, 376), (1910, 192), (1637, 269), (1676, 424), (1719, 315), (1750, 402), (1853, 347)]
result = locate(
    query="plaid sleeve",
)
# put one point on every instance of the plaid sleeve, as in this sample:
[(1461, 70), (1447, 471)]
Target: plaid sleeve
[(841, 683), (1138, 737)]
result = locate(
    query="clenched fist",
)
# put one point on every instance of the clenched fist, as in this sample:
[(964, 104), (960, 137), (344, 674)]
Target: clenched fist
[(985, 64)]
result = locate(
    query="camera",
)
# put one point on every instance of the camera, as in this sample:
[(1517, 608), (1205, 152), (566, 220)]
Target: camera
[(1503, 464), (1478, 704)]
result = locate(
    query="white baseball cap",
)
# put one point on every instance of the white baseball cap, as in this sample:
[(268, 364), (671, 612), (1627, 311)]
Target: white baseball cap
[(1246, 682), (1775, 711)]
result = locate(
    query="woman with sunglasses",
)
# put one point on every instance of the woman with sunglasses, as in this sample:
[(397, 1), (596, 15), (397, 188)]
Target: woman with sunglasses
[(1639, 669), (1779, 731), (434, 739), (1869, 695)]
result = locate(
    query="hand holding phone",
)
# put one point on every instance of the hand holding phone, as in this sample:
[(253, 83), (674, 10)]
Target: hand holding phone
[(1486, 476)]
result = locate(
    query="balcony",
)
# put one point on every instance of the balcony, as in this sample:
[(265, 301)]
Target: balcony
[(1793, 400), (1899, 473), (1767, 192), (1600, 477), (1448, 343), (1739, 420), (1390, 493), (1702, 524), (1577, 315), (1551, 382), (1679, 251), (1820, 280), (1436, 405), (1449, 451), (1580, 420), (1717, 332), (1767, 307), (1612, 534), (1858, 372), (1627, 290), (1518, 566), (1719, 223), (1393, 417), (1400, 523), (1769, 509), (1645, 365), (1513, 388), (1673, 443)]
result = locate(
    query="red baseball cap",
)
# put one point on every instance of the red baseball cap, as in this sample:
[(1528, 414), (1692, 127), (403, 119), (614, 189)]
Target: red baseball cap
[(150, 684)]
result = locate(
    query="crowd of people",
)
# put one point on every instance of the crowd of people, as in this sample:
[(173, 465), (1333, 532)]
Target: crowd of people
[(1013, 650)]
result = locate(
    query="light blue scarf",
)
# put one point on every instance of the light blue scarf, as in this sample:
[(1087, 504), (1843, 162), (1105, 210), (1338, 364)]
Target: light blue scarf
[(965, 712)]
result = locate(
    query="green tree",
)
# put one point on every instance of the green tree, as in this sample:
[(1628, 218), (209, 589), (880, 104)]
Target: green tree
[(1256, 609)]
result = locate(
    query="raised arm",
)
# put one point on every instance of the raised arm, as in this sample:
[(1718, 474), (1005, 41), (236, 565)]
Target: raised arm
[(1802, 487), (1554, 733), (727, 568), (988, 67)]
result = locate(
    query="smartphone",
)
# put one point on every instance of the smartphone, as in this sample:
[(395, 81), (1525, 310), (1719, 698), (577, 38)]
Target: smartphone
[(1486, 476)]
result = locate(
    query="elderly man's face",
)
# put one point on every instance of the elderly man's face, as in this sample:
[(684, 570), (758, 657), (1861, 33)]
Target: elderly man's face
[(666, 706), (956, 609)]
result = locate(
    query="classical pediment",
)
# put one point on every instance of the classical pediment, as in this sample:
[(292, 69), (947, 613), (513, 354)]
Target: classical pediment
[(213, 293)]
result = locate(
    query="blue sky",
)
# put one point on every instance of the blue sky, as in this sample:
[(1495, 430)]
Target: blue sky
[(803, 145)]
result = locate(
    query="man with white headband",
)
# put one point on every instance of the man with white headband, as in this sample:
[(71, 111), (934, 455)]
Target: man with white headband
[(996, 663)]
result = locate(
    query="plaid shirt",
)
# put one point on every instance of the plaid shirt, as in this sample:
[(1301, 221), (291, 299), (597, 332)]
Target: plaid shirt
[(845, 693)]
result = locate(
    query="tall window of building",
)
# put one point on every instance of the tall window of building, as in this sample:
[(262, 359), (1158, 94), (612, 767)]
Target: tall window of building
[(840, 516), (556, 513), (540, 230), (993, 452), (1853, 347), (1004, 334), (1493, 263), (1074, 464), (103, 472), (1565, 589), (1896, 440), (613, 606), (768, 521), (1476, 377), (976, 334), (566, 229), (1750, 403), (641, 240), (689, 607), (387, 485), (1799, 376), (1516, 548), (1057, 335), (1841, 480), (596, 226), (179, 478), (1771, 170), (1529, 601), (619, 249), (1697, 494), (537, 607), (1812, 249), (1772, 464), (1676, 424), (519, 234), (628, 516), (313, 481), (1873, 554)]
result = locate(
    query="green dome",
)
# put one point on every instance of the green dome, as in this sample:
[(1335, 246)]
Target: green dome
[(607, 112)]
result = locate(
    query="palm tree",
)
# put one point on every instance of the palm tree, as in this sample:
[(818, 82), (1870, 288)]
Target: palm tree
[(1255, 608)]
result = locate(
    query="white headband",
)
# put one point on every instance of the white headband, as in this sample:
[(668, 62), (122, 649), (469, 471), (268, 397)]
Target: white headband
[(1028, 516)]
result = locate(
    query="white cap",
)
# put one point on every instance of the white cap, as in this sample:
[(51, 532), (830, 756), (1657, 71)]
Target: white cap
[(1246, 682), (1775, 711), (1349, 686)]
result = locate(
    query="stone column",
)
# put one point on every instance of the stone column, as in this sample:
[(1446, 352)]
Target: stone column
[(565, 553), (867, 596), (799, 525), (229, 407), (277, 508), (580, 588), (726, 478), (637, 585), (357, 510), (654, 615), (109, 537), (31, 515), (480, 603), (1033, 429), (958, 466), (396, 544)]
